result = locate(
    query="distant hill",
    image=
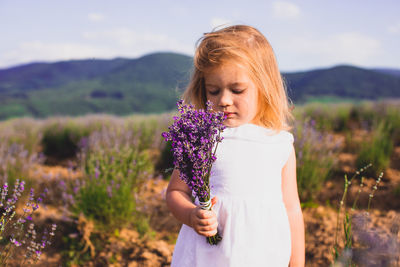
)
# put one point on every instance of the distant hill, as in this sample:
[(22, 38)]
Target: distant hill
[(342, 81), (153, 83), (394, 72)]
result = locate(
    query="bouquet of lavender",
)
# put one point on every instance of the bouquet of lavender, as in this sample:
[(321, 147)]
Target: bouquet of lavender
[(195, 136)]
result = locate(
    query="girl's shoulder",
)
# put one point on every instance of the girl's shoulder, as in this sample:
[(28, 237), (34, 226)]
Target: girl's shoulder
[(287, 136), (258, 133)]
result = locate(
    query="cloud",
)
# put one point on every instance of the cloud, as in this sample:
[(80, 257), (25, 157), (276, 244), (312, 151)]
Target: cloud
[(349, 48), (219, 22), (41, 51), (96, 17), (130, 40), (394, 29), (285, 10), (120, 42)]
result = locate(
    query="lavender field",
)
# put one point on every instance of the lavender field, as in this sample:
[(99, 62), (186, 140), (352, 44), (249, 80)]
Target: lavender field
[(93, 188)]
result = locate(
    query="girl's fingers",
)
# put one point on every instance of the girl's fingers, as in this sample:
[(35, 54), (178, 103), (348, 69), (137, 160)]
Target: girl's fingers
[(206, 222), (208, 228), (208, 231), (213, 201), (205, 214), (208, 234)]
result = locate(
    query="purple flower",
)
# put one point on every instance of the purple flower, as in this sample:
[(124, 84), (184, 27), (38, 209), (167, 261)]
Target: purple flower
[(76, 189), (194, 139), (62, 184), (96, 173), (35, 206), (31, 194), (15, 242), (84, 142), (109, 191)]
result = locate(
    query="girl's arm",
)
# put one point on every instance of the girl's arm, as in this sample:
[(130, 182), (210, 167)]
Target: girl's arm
[(178, 197), (293, 208)]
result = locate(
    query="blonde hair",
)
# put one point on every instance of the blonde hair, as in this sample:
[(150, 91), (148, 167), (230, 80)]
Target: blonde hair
[(246, 45)]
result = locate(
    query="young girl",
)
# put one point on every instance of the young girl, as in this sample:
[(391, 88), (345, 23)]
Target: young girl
[(256, 207)]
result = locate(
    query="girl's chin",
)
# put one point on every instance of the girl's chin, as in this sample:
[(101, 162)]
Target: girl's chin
[(232, 123)]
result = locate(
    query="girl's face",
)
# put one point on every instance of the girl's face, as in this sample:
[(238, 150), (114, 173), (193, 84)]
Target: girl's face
[(231, 90)]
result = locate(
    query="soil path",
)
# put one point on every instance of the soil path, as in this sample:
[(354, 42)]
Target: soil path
[(156, 249)]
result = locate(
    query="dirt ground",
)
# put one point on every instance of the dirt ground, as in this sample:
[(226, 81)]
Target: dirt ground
[(129, 249)]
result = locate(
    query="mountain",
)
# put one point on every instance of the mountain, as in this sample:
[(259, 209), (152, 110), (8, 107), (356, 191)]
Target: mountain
[(394, 72), (153, 83), (344, 82), (36, 76)]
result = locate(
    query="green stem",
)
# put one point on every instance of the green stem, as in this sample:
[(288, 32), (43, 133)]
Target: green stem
[(358, 193), (340, 209), (212, 240), (374, 188)]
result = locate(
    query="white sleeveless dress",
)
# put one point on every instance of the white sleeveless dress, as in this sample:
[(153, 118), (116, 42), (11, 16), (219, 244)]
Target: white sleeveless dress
[(252, 218)]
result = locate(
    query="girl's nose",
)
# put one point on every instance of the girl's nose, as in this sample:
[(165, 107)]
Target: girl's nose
[(225, 99)]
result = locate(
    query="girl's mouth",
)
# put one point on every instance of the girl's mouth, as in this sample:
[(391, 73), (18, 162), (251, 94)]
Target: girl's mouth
[(228, 114)]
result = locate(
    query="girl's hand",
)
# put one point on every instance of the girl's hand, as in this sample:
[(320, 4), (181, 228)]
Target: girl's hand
[(204, 222)]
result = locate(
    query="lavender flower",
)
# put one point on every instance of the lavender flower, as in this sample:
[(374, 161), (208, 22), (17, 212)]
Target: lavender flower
[(16, 224), (378, 248), (194, 138)]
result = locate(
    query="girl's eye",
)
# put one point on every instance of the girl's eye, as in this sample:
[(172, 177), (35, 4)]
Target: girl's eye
[(213, 92), (238, 91)]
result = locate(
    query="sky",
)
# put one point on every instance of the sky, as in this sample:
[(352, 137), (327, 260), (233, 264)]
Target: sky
[(305, 34)]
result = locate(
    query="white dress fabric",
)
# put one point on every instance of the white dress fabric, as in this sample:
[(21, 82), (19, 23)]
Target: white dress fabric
[(252, 218)]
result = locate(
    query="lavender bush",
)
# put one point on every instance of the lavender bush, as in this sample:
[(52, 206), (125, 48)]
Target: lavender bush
[(325, 119), (61, 138), (19, 140), (378, 149), (363, 244), (194, 139), (377, 247), (22, 131), (149, 133), (17, 230), (342, 117), (114, 169), (316, 154), (16, 161)]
